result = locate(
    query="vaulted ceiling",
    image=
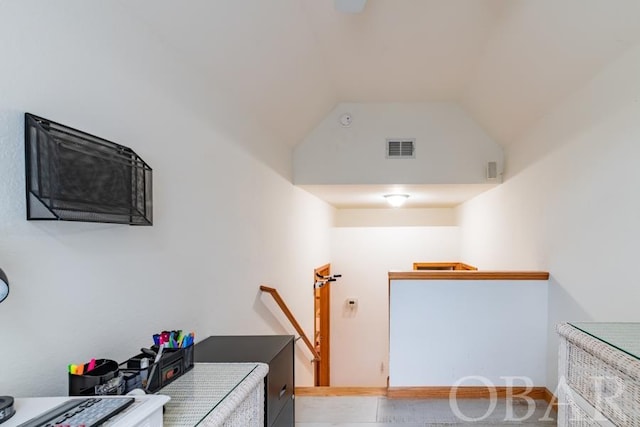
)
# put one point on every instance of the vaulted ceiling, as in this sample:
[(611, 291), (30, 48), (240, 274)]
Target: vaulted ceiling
[(288, 62)]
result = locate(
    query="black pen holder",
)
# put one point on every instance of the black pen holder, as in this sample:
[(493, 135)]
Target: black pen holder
[(104, 376), (173, 363), (185, 355)]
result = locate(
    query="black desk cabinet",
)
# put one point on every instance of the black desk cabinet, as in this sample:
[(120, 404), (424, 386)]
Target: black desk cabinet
[(275, 350)]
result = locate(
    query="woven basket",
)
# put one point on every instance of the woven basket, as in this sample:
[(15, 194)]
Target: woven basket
[(576, 417), (245, 408), (604, 376)]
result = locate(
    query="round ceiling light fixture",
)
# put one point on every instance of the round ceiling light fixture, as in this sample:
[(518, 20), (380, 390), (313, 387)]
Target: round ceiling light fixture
[(396, 200)]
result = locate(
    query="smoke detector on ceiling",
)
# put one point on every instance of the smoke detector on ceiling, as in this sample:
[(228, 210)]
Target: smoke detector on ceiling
[(345, 120), (349, 6)]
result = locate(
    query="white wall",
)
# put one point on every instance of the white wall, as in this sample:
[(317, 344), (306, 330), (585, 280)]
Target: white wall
[(226, 219), (364, 256), (570, 204), (442, 332), (450, 147), (395, 217)]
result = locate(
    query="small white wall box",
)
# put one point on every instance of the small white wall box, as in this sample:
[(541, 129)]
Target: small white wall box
[(352, 302)]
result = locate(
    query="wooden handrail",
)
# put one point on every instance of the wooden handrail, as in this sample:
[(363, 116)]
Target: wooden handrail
[(468, 275), (443, 266), (276, 296)]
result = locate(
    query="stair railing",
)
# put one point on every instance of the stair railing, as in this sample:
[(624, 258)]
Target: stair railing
[(278, 299)]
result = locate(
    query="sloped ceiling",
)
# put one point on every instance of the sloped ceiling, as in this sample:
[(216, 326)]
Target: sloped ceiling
[(290, 61), (541, 52)]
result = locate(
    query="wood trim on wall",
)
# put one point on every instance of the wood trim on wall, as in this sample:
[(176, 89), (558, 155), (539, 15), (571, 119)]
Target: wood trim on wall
[(538, 393), (341, 391), (551, 399), (469, 275), (467, 392), (322, 327)]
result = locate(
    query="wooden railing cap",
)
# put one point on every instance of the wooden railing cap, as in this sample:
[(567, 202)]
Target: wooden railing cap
[(468, 275)]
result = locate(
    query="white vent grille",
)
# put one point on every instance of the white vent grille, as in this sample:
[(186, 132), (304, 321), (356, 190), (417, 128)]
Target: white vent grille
[(401, 148)]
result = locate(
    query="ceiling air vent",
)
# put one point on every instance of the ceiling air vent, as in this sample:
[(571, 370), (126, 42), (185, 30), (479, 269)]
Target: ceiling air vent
[(401, 148)]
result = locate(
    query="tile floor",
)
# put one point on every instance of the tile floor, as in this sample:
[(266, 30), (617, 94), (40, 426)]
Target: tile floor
[(382, 412)]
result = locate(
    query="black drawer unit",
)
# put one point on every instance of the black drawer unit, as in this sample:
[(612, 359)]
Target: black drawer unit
[(275, 350)]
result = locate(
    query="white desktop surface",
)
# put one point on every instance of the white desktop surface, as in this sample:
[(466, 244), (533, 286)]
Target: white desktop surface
[(141, 410)]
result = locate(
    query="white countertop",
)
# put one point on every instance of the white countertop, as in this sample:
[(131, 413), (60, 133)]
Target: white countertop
[(142, 408)]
